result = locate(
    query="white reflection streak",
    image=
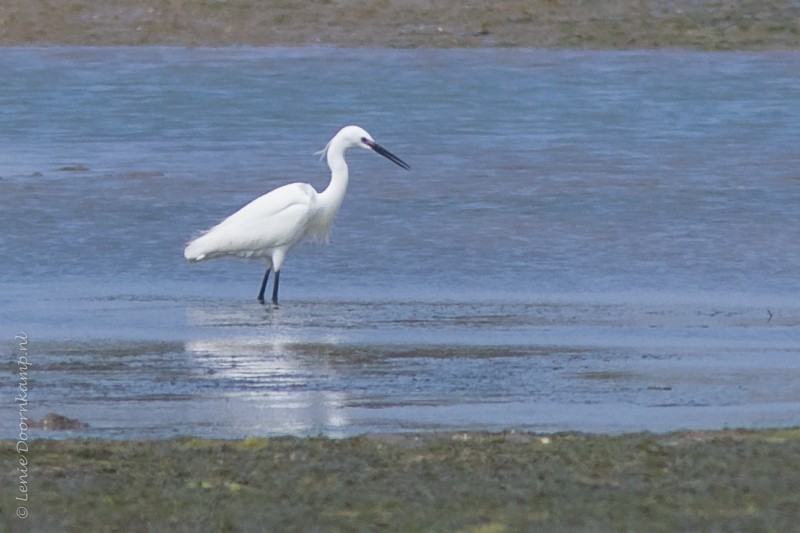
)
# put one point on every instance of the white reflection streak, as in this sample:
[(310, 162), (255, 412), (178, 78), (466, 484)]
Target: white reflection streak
[(272, 377)]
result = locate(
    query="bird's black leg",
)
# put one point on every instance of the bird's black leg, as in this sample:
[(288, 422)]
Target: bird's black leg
[(275, 287), (264, 286)]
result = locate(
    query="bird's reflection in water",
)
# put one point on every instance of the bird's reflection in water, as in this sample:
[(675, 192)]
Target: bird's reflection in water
[(279, 384)]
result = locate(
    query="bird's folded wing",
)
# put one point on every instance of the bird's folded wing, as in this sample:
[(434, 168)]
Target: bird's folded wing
[(268, 221)]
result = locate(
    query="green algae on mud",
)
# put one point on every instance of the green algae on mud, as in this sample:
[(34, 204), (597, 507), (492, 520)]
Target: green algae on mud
[(716, 480)]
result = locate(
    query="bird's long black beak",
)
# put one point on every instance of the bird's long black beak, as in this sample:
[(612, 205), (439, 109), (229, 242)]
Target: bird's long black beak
[(387, 154)]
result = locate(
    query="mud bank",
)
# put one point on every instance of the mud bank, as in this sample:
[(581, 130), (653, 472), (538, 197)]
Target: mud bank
[(688, 481), (708, 25)]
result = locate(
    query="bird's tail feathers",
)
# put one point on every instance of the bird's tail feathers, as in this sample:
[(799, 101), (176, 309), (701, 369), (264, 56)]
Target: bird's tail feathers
[(197, 249)]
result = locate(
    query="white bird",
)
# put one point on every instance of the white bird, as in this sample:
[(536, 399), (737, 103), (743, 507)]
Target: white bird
[(271, 225)]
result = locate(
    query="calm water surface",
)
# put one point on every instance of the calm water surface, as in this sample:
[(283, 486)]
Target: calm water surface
[(600, 241)]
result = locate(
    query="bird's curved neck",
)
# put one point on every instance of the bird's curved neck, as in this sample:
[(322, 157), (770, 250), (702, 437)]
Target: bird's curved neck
[(333, 194)]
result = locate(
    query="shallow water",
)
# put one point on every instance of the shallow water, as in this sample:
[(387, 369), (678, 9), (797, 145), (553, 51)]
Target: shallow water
[(600, 241)]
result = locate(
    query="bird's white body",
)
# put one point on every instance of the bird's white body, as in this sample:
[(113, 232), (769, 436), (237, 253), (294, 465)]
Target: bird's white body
[(268, 227), (271, 225)]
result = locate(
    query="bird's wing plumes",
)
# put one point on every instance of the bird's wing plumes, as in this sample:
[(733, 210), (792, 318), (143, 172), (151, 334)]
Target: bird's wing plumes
[(269, 221)]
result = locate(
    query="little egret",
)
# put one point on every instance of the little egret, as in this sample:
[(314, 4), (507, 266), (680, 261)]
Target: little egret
[(271, 225)]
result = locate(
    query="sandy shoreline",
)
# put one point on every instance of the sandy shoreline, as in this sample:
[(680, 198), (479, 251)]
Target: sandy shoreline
[(611, 24)]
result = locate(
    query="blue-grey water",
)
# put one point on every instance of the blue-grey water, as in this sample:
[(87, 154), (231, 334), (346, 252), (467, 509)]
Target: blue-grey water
[(595, 241)]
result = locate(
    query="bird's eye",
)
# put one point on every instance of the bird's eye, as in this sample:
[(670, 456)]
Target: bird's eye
[(364, 140)]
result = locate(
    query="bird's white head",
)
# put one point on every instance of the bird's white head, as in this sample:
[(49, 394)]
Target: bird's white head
[(358, 137), (355, 136)]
